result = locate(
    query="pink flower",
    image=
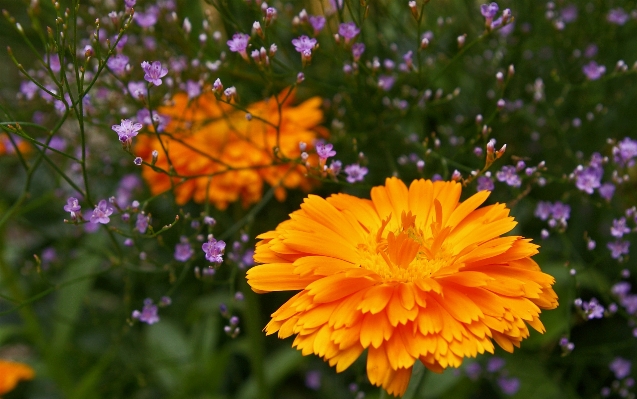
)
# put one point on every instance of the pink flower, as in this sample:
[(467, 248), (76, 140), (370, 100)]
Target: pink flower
[(154, 72), (239, 44)]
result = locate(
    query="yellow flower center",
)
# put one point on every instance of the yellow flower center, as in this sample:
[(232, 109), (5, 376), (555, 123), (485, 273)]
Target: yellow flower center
[(405, 255)]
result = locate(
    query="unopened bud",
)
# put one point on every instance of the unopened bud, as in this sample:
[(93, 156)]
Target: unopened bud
[(270, 15), (621, 66), (264, 55), (506, 16), (491, 146), (256, 56), (414, 9), (230, 93), (303, 16), (256, 28), (154, 155), (217, 87), (461, 39), (501, 151)]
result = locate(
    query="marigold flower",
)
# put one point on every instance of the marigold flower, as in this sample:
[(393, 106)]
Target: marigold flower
[(228, 156), (6, 147), (11, 373), (412, 274)]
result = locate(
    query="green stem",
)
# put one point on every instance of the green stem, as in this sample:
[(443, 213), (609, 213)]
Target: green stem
[(256, 339)]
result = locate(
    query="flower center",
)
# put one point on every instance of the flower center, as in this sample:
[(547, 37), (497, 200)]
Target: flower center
[(405, 255)]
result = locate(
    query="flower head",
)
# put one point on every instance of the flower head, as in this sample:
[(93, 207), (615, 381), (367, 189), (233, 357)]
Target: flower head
[(147, 19), (137, 89), (348, 30), (489, 11), (304, 45), (569, 13), (593, 71), (325, 151), (508, 174), (357, 50), (509, 385), (619, 228), (183, 250), (148, 314), (127, 130), (412, 274), (238, 152), (606, 191), (617, 16), (618, 248), (386, 82), (485, 183), (317, 22), (214, 250), (118, 63), (239, 44), (154, 72), (141, 224), (11, 373), (620, 367), (102, 212), (589, 178), (355, 173), (625, 152), (73, 207)]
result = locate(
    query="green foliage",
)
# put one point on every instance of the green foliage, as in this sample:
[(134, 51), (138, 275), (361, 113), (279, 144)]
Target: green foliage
[(67, 295)]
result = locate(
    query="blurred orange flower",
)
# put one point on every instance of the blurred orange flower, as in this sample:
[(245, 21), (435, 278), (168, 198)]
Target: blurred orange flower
[(6, 147), (226, 154), (411, 275), (11, 373)]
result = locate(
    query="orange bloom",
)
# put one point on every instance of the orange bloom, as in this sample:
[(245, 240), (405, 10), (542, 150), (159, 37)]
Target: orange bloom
[(230, 155), (412, 274), (11, 373), (6, 147)]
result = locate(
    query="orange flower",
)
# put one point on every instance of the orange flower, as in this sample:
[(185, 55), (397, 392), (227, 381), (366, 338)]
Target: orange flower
[(6, 147), (11, 373), (412, 274), (227, 156)]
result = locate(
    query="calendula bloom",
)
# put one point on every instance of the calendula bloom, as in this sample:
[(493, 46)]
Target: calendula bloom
[(11, 373), (225, 156), (6, 146), (412, 274)]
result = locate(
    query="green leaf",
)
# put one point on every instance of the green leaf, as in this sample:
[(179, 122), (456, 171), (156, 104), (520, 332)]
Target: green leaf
[(281, 364), (437, 384), (78, 279), (556, 321), (535, 381), (168, 352), (9, 331)]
